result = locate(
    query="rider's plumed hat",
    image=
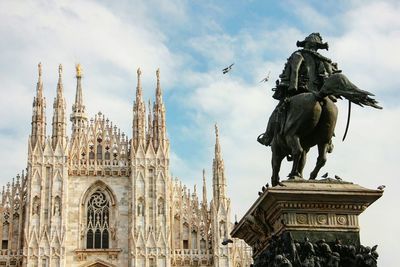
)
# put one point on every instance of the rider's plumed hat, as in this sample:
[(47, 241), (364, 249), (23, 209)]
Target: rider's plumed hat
[(315, 38)]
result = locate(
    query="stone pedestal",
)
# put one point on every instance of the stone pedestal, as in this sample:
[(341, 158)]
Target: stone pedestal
[(303, 219)]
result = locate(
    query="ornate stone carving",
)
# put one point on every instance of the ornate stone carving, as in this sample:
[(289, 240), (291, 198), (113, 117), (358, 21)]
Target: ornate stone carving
[(301, 218), (284, 251)]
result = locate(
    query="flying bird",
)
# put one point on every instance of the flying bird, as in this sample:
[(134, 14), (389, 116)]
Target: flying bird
[(227, 69), (381, 187), (266, 78), (338, 178), (226, 241), (325, 175)]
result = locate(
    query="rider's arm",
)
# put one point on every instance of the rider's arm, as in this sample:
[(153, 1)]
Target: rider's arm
[(295, 63)]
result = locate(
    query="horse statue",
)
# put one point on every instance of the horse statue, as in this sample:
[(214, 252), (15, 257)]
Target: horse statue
[(310, 120)]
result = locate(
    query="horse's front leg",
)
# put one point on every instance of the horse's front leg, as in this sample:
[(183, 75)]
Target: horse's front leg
[(321, 160), (277, 157)]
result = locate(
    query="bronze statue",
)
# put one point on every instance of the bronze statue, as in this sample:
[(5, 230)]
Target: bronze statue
[(306, 114)]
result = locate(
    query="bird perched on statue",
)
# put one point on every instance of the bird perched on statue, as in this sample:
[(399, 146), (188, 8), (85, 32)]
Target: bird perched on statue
[(227, 69), (325, 175), (338, 178), (227, 241), (266, 78), (381, 187)]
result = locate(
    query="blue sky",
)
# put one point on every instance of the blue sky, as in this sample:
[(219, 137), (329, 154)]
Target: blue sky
[(191, 41)]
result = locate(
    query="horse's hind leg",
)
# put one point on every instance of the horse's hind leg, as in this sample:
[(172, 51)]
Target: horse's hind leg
[(321, 160), (297, 153), (302, 162)]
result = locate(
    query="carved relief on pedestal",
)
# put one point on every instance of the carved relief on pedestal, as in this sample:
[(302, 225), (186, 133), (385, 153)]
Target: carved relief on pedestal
[(320, 219), (301, 219)]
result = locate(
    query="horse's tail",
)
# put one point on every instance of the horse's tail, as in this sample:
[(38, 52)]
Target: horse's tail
[(338, 85)]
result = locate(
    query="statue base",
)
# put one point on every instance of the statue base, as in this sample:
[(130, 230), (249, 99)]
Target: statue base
[(307, 221)]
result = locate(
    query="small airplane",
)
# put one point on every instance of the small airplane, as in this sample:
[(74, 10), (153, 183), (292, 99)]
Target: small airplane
[(266, 78), (227, 69)]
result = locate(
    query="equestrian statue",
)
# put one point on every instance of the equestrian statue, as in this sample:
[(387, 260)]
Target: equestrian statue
[(306, 115)]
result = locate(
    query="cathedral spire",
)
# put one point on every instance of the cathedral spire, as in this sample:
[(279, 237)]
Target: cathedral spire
[(149, 124), (217, 145), (139, 114), (39, 86), (159, 127), (204, 189), (59, 84), (78, 116), (59, 120), (38, 133), (219, 183), (158, 89), (139, 85)]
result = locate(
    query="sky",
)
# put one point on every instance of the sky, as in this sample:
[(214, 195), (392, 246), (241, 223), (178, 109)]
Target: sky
[(191, 41)]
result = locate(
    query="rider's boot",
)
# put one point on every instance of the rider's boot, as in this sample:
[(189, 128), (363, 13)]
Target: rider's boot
[(267, 137)]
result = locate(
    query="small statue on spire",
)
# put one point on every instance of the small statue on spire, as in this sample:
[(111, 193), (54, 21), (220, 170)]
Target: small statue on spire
[(216, 130), (40, 69), (139, 72), (158, 74), (60, 70), (78, 70)]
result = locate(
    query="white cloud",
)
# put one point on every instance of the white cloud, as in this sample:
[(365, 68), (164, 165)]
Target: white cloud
[(368, 48)]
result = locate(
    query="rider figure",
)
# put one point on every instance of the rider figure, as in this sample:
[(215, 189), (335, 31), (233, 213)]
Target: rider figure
[(304, 71)]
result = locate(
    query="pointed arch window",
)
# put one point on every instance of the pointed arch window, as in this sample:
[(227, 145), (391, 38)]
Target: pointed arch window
[(194, 239), (98, 216), (203, 244), (161, 208), (107, 155), (99, 152)]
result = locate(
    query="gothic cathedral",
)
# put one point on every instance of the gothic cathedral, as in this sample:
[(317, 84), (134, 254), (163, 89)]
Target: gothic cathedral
[(100, 199)]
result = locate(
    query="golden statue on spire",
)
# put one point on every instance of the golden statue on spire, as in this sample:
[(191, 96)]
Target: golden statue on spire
[(78, 70)]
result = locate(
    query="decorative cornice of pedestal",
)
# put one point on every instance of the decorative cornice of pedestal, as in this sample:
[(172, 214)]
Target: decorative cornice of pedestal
[(306, 208)]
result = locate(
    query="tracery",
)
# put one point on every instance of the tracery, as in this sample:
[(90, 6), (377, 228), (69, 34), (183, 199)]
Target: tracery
[(97, 235)]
